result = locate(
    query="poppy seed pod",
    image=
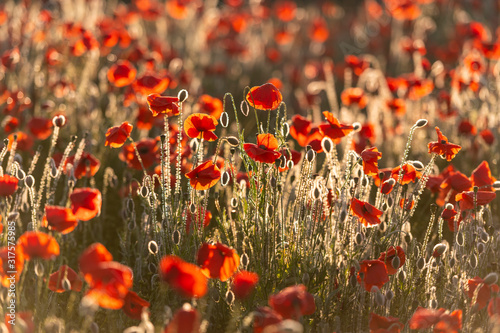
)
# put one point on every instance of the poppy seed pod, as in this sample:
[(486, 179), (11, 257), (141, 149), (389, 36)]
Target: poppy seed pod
[(244, 108), (285, 130), (439, 250), (491, 278), (421, 123), (310, 155), (270, 210), (153, 247), (144, 191), (379, 298), (389, 295), (234, 202), (327, 144), (59, 121), (225, 178), (473, 261), (176, 237), (244, 260), (356, 127), (420, 263), (460, 238)]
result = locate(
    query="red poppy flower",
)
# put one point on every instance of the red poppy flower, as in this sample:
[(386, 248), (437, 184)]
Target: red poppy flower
[(133, 305), (289, 155), (285, 10), (388, 256), (190, 218), (122, 73), (186, 319), (109, 284), (403, 9), (163, 104), (417, 87), (370, 158), (151, 83), (56, 280), (187, 279), (33, 244), (116, 136), (91, 257), (397, 106), (334, 130), (318, 31), (6, 267), (300, 129), (315, 138), (10, 124), (24, 141), (441, 319), (487, 136), (41, 128), (494, 307), (264, 150), (148, 150), (60, 219), (448, 215), (443, 147), (204, 176), (263, 317), (264, 97), (357, 64), (8, 185), (481, 177), (466, 128), (484, 293), (201, 126), (372, 273), (380, 324), (466, 199), (410, 174), (86, 167), (244, 284), (217, 261), (24, 319), (86, 203), (293, 302), (406, 204), (354, 96), (210, 105), (368, 215)]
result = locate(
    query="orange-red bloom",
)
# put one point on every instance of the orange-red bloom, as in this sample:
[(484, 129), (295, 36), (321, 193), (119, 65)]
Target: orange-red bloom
[(5, 266), (293, 302), (57, 280), (448, 215), (410, 174), (217, 261), (372, 273), (210, 105), (186, 319), (443, 147), (334, 129), (300, 129), (441, 319), (204, 176), (466, 199), (265, 149), (354, 96), (151, 83), (380, 324), (187, 279), (264, 317), (8, 185), (133, 305), (368, 215), (244, 284), (92, 256), (33, 244), (201, 126), (41, 128), (60, 219), (86, 167), (122, 73), (370, 158), (264, 97), (482, 178), (388, 256), (86, 203), (484, 293), (148, 150), (163, 104), (116, 136)]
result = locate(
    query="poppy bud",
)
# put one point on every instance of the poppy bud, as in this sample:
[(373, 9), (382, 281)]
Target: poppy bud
[(66, 284), (53, 168), (433, 303), (193, 144), (359, 238), (182, 95), (395, 262), (439, 250), (452, 262), (420, 263), (402, 275), (352, 280), (225, 178), (153, 247), (389, 295), (460, 238), (192, 208), (385, 206), (484, 236), (234, 202), (343, 215), (39, 269), (491, 278), (59, 121), (418, 165), (305, 279), (244, 108), (448, 206), (496, 185), (144, 191), (20, 174), (382, 226), (176, 237), (480, 247), (224, 119), (390, 201), (379, 298), (273, 182), (152, 268), (356, 127), (285, 130), (244, 260), (94, 328), (327, 144), (473, 261), (316, 193), (270, 210), (375, 289), (421, 123), (310, 155), (230, 297), (290, 164), (364, 181), (29, 181), (233, 141)]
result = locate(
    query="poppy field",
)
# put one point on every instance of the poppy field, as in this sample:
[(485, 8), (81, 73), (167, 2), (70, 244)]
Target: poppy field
[(249, 166)]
